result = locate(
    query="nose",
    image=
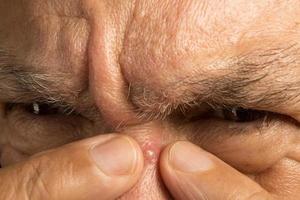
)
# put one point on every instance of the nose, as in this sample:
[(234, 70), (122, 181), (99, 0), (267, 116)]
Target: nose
[(152, 138), (142, 70), (107, 84), (106, 81), (111, 92)]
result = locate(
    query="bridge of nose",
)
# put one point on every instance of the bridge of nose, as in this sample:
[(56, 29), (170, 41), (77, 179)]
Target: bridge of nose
[(107, 85), (138, 57), (110, 85)]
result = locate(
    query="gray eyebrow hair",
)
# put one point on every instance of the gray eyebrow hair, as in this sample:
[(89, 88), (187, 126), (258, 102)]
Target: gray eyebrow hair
[(23, 83), (19, 85), (263, 70), (266, 69), (255, 80)]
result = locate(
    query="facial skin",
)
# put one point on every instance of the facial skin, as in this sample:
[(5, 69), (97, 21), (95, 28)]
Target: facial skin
[(159, 71)]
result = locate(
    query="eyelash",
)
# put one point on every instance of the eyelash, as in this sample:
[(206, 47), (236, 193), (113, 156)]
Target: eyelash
[(235, 114), (41, 109), (240, 115), (230, 114)]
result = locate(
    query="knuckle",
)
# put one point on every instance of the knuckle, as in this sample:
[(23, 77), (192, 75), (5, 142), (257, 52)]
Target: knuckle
[(34, 179), (259, 195), (255, 195)]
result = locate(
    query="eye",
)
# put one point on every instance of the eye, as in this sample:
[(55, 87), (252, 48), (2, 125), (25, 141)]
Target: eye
[(40, 109), (241, 115)]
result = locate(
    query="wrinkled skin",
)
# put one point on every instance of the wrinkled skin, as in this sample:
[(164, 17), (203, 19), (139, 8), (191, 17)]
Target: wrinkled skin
[(130, 67)]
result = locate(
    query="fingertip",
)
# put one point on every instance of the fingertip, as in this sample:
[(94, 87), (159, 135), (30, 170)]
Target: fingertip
[(120, 163), (193, 173), (182, 151), (104, 167), (185, 157), (119, 156)]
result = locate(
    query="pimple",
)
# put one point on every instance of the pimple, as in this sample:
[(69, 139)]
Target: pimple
[(151, 152)]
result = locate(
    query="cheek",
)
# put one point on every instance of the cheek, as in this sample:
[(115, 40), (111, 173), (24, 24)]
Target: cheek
[(3, 128), (23, 133), (283, 178), (10, 155), (258, 149)]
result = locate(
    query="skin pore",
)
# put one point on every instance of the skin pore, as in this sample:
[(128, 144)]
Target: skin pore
[(221, 74)]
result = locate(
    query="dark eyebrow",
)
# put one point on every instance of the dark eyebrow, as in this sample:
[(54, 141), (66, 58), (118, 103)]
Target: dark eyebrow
[(266, 79)]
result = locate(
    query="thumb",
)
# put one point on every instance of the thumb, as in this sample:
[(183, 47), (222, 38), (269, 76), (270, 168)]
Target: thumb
[(103, 167), (192, 173)]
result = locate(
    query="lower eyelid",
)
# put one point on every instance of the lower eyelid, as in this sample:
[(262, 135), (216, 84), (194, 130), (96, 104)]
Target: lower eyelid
[(45, 132), (243, 144), (22, 118), (216, 127)]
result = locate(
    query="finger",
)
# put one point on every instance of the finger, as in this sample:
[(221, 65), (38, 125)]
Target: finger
[(103, 167), (192, 173)]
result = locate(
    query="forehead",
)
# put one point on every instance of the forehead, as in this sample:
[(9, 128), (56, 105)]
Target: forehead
[(58, 30), (191, 35), (44, 35), (208, 26), (52, 36)]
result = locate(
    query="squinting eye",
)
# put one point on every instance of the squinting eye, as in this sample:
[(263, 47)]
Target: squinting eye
[(240, 114), (41, 109)]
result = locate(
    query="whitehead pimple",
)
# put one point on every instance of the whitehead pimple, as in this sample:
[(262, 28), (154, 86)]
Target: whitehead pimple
[(151, 152)]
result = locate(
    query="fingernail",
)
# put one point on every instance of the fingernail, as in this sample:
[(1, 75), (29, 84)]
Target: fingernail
[(187, 157), (116, 157)]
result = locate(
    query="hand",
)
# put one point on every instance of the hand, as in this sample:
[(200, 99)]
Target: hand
[(102, 167), (192, 173)]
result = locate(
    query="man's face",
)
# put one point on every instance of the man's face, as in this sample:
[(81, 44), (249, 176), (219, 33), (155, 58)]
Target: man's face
[(222, 74)]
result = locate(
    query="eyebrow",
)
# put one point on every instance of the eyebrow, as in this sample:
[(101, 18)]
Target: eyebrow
[(22, 84), (263, 69), (272, 72), (261, 79)]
